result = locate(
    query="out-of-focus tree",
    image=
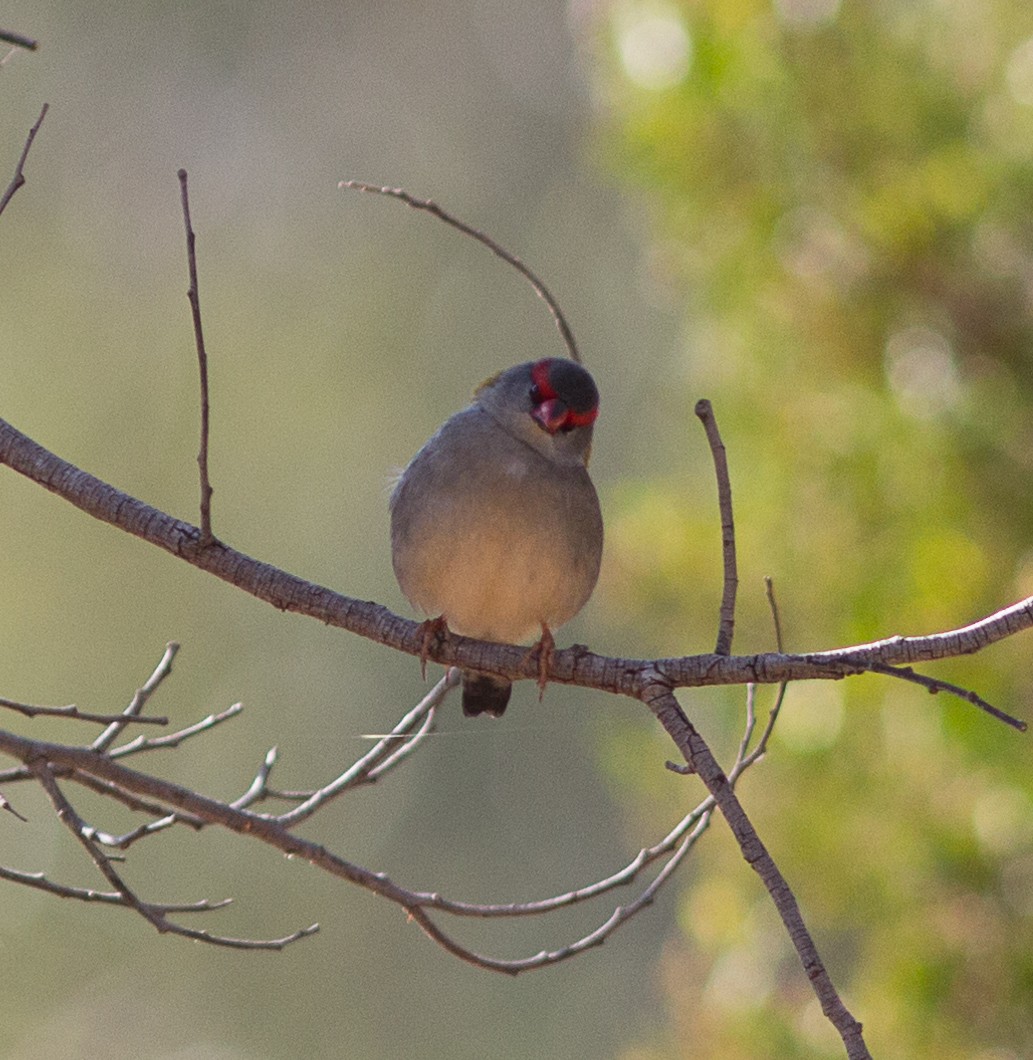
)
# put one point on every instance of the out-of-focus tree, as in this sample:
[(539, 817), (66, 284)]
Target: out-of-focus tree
[(840, 194)]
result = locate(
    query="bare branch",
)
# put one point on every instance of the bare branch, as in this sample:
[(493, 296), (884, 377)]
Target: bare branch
[(45, 759), (259, 787), (5, 805), (935, 684), (85, 894), (769, 590), (726, 626), (660, 700), (174, 739), (193, 295), (511, 259), (136, 803), (155, 915), (571, 666), (73, 713), (19, 177), (382, 756), (139, 701), (158, 800), (19, 40)]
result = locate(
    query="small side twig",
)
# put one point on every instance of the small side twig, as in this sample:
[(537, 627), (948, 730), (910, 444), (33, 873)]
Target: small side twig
[(384, 754), (776, 618), (73, 713), (87, 894), (174, 739), (19, 176), (726, 626), (18, 39), (202, 360), (935, 684), (5, 805), (762, 743), (139, 701), (435, 210)]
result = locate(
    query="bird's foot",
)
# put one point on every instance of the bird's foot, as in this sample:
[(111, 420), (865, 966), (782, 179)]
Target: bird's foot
[(433, 629), (543, 652)]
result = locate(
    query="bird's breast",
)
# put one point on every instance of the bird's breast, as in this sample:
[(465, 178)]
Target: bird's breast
[(495, 538)]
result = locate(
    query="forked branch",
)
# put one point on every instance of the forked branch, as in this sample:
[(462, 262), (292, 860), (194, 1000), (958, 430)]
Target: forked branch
[(167, 805)]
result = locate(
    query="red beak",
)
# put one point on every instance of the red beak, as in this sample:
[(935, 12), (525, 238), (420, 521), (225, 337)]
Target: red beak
[(551, 414)]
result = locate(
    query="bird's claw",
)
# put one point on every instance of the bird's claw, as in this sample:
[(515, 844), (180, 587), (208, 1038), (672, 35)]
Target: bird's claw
[(543, 652), (433, 629)]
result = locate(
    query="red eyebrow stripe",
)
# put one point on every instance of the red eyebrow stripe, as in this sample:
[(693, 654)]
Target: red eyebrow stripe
[(540, 378), (582, 419)]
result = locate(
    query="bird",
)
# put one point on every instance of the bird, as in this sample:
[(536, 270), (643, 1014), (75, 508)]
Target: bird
[(495, 524)]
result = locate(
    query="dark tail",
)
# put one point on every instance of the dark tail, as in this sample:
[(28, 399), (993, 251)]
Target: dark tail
[(485, 695)]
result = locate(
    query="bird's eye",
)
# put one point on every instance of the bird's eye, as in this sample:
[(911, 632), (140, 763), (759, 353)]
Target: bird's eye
[(537, 397)]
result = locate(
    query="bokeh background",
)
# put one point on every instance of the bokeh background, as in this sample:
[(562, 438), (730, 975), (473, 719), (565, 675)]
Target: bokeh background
[(816, 213)]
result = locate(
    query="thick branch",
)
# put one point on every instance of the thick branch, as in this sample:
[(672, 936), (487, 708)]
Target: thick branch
[(572, 666)]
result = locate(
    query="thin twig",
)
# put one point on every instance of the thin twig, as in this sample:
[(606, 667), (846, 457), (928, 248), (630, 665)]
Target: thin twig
[(259, 787), (73, 713), (762, 743), (18, 39), (769, 590), (435, 210), (726, 625), (5, 805), (139, 700), (174, 739), (202, 360), (384, 753), (19, 177), (935, 684), (87, 894)]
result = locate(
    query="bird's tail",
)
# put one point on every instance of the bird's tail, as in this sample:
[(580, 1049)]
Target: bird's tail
[(485, 695)]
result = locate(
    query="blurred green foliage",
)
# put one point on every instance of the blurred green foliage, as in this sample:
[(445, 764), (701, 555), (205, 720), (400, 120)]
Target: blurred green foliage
[(839, 194)]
